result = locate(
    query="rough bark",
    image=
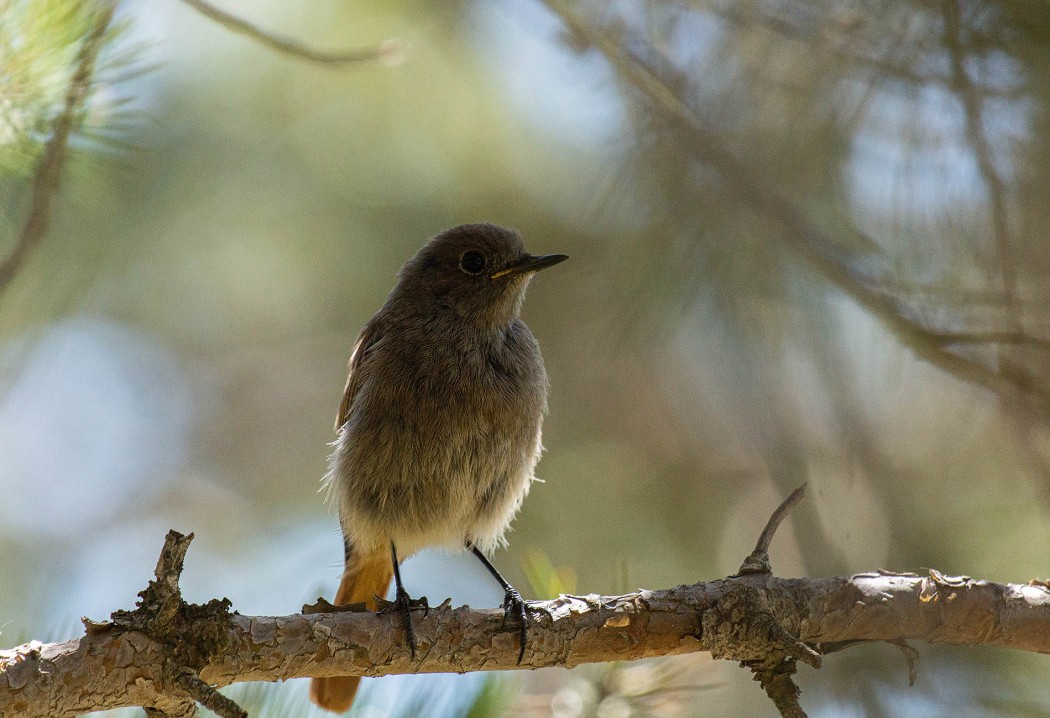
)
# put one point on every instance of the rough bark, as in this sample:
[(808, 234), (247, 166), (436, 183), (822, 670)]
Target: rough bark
[(744, 618)]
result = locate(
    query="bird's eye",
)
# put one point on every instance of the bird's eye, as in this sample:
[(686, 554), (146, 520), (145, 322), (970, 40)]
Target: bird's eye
[(472, 262)]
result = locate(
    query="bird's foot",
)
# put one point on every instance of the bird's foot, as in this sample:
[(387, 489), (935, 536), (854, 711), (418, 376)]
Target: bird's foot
[(516, 610), (404, 605)]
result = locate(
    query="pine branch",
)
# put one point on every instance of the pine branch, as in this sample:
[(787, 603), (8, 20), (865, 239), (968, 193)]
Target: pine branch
[(167, 654), (49, 170), (635, 61)]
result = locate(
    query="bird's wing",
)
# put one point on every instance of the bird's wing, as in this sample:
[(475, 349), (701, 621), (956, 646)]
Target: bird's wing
[(368, 339)]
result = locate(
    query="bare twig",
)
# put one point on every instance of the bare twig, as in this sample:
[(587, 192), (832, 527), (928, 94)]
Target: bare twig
[(758, 561), (210, 698), (49, 170), (166, 593), (386, 50), (911, 656), (801, 235), (775, 679)]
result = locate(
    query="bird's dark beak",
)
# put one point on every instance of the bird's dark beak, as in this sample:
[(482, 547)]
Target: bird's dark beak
[(531, 263)]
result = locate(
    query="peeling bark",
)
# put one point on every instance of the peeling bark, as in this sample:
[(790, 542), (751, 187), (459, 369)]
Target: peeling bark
[(114, 667)]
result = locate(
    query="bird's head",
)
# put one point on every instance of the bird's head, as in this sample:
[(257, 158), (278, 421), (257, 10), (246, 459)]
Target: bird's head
[(480, 271)]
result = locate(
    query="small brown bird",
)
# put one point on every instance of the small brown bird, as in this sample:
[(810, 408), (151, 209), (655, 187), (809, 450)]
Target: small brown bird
[(439, 427)]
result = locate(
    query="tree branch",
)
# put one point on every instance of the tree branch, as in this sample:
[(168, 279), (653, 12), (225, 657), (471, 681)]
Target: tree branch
[(737, 618), (804, 237), (388, 49), (852, 48)]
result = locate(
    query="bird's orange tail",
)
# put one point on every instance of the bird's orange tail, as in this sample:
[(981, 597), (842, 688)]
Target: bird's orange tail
[(364, 577)]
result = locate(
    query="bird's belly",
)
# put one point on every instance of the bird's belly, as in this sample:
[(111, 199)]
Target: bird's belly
[(429, 487)]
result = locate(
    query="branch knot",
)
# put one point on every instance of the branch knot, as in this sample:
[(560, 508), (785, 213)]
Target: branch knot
[(190, 633)]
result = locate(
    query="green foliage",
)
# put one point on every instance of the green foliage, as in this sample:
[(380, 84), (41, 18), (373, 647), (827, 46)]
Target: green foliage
[(39, 42)]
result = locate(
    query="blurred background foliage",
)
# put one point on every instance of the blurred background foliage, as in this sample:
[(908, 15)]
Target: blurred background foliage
[(734, 181)]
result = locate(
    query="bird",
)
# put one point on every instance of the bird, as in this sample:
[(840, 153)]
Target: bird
[(439, 428)]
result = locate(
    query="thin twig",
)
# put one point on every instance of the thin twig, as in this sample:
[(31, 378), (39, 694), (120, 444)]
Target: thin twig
[(758, 561), (911, 656), (210, 698), (386, 50), (49, 170), (801, 235)]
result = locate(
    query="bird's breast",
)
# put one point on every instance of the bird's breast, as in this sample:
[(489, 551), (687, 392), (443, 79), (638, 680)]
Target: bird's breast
[(441, 429)]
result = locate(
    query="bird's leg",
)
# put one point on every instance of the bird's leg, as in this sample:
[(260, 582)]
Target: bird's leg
[(515, 608), (403, 604)]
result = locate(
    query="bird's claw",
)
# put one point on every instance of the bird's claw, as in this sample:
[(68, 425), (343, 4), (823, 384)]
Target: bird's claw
[(404, 605), (517, 610)]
